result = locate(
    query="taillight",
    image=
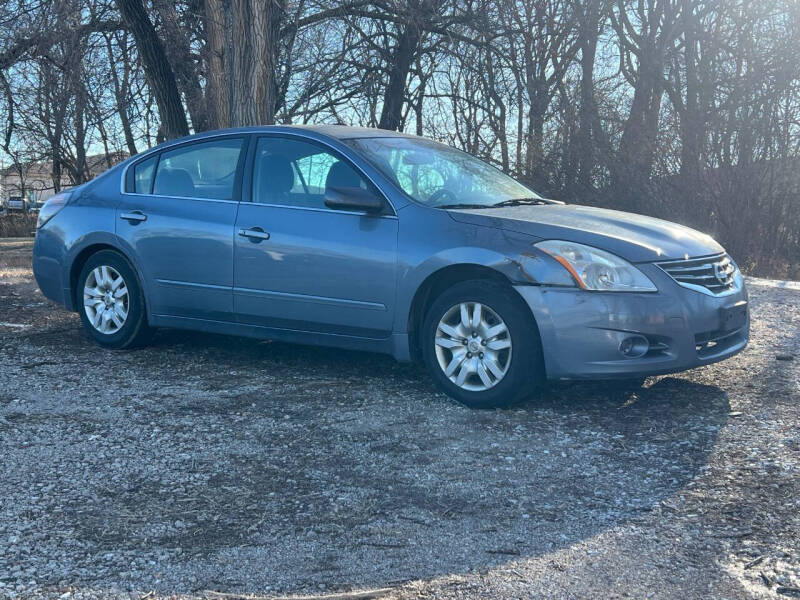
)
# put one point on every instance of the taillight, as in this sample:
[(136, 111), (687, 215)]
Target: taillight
[(51, 208)]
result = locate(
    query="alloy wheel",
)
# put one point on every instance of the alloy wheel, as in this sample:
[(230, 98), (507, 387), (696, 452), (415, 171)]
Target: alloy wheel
[(105, 299), (473, 346)]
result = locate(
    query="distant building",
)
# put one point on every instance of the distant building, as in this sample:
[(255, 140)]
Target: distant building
[(33, 182)]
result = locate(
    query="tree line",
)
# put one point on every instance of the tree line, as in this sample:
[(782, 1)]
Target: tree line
[(683, 109)]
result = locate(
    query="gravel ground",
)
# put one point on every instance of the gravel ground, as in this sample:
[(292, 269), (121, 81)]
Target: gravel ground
[(210, 466)]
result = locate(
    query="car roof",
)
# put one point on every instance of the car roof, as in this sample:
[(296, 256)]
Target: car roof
[(342, 132), (339, 132)]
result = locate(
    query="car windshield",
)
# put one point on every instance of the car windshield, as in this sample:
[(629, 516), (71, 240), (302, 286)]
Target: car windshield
[(440, 176)]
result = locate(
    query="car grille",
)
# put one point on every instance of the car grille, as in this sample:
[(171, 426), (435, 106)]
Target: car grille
[(714, 274)]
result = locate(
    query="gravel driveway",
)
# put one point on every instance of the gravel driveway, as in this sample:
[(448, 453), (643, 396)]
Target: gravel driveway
[(210, 466)]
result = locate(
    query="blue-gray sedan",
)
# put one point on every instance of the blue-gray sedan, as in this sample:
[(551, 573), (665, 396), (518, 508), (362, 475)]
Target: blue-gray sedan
[(379, 241)]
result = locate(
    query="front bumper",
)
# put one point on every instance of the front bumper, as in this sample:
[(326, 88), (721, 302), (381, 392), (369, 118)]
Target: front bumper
[(582, 331)]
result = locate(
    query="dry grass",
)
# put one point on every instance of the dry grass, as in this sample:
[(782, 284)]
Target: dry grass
[(17, 224), (771, 267)]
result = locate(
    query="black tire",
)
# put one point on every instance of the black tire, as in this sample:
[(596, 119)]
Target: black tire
[(134, 331), (525, 372)]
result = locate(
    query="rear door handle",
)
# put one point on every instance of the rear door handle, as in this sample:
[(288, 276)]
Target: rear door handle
[(135, 216), (255, 234)]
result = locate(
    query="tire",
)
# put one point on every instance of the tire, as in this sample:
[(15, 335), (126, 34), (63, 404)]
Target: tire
[(521, 364), (126, 298)]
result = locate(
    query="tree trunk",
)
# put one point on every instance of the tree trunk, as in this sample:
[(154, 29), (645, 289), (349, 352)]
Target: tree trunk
[(497, 116), (180, 56), (394, 95), (634, 161), (55, 155), (692, 125), (121, 90), (79, 119), (254, 44), (420, 103), (534, 158), (57, 117), (217, 92), (589, 32), (156, 67)]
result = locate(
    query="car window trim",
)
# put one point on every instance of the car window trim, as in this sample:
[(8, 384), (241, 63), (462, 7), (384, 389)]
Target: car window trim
[(128, 173), (248, 183), (153, 179), (236, 193)]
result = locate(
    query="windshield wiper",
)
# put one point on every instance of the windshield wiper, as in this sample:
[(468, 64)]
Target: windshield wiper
[(465, 205), (513, 202), (520, 201)]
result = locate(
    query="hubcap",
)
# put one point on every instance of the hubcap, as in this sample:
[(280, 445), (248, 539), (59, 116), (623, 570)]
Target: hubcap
[(473, 346), (105, 299)]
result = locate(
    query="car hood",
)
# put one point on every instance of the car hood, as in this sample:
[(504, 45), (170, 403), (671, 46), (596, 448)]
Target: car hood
[(633, 237)]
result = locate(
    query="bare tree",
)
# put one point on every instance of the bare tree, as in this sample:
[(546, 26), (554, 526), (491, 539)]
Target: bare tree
[(157, 67), (645, 29)]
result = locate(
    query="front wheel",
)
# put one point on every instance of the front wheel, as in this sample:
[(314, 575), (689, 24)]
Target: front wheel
[(481, 345)]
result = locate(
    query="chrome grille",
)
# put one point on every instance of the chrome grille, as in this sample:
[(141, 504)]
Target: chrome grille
[(712, 274)]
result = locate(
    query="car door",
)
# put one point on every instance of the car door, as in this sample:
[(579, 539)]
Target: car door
[(177, 216), (301, 265)]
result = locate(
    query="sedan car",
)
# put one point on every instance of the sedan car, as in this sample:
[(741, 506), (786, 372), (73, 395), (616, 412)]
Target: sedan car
[(379, 241)]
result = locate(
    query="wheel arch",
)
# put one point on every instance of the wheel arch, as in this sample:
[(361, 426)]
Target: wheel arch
[(438, 281), (80, 259)]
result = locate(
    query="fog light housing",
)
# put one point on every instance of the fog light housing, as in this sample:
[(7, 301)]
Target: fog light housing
[(634, 346)]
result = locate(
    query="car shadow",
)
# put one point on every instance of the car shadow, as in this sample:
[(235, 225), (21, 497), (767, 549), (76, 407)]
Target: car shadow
[(284, 467)]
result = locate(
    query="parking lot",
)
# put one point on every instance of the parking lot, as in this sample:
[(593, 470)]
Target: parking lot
[(210, 465)]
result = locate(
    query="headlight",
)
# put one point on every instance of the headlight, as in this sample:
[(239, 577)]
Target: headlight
[(595, 269), (51, 207)]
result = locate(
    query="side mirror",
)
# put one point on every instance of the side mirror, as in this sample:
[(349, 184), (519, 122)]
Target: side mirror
[(353, 198)]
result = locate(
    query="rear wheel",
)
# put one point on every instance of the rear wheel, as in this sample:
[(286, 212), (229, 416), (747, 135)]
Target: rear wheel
[(481, 346), (110, 302)]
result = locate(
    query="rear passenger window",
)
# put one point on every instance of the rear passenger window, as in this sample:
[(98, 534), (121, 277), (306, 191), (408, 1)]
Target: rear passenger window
[(201, 170), (143, 175)]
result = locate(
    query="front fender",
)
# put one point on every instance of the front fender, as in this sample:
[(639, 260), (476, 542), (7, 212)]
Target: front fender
[(429, 241), (515, 260)]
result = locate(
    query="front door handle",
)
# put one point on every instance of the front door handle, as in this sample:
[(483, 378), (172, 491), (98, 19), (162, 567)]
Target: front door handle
[(255, 234), (135, 216)]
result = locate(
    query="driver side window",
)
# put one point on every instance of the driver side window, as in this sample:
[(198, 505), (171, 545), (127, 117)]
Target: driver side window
[(312, 171), (292, 172)]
